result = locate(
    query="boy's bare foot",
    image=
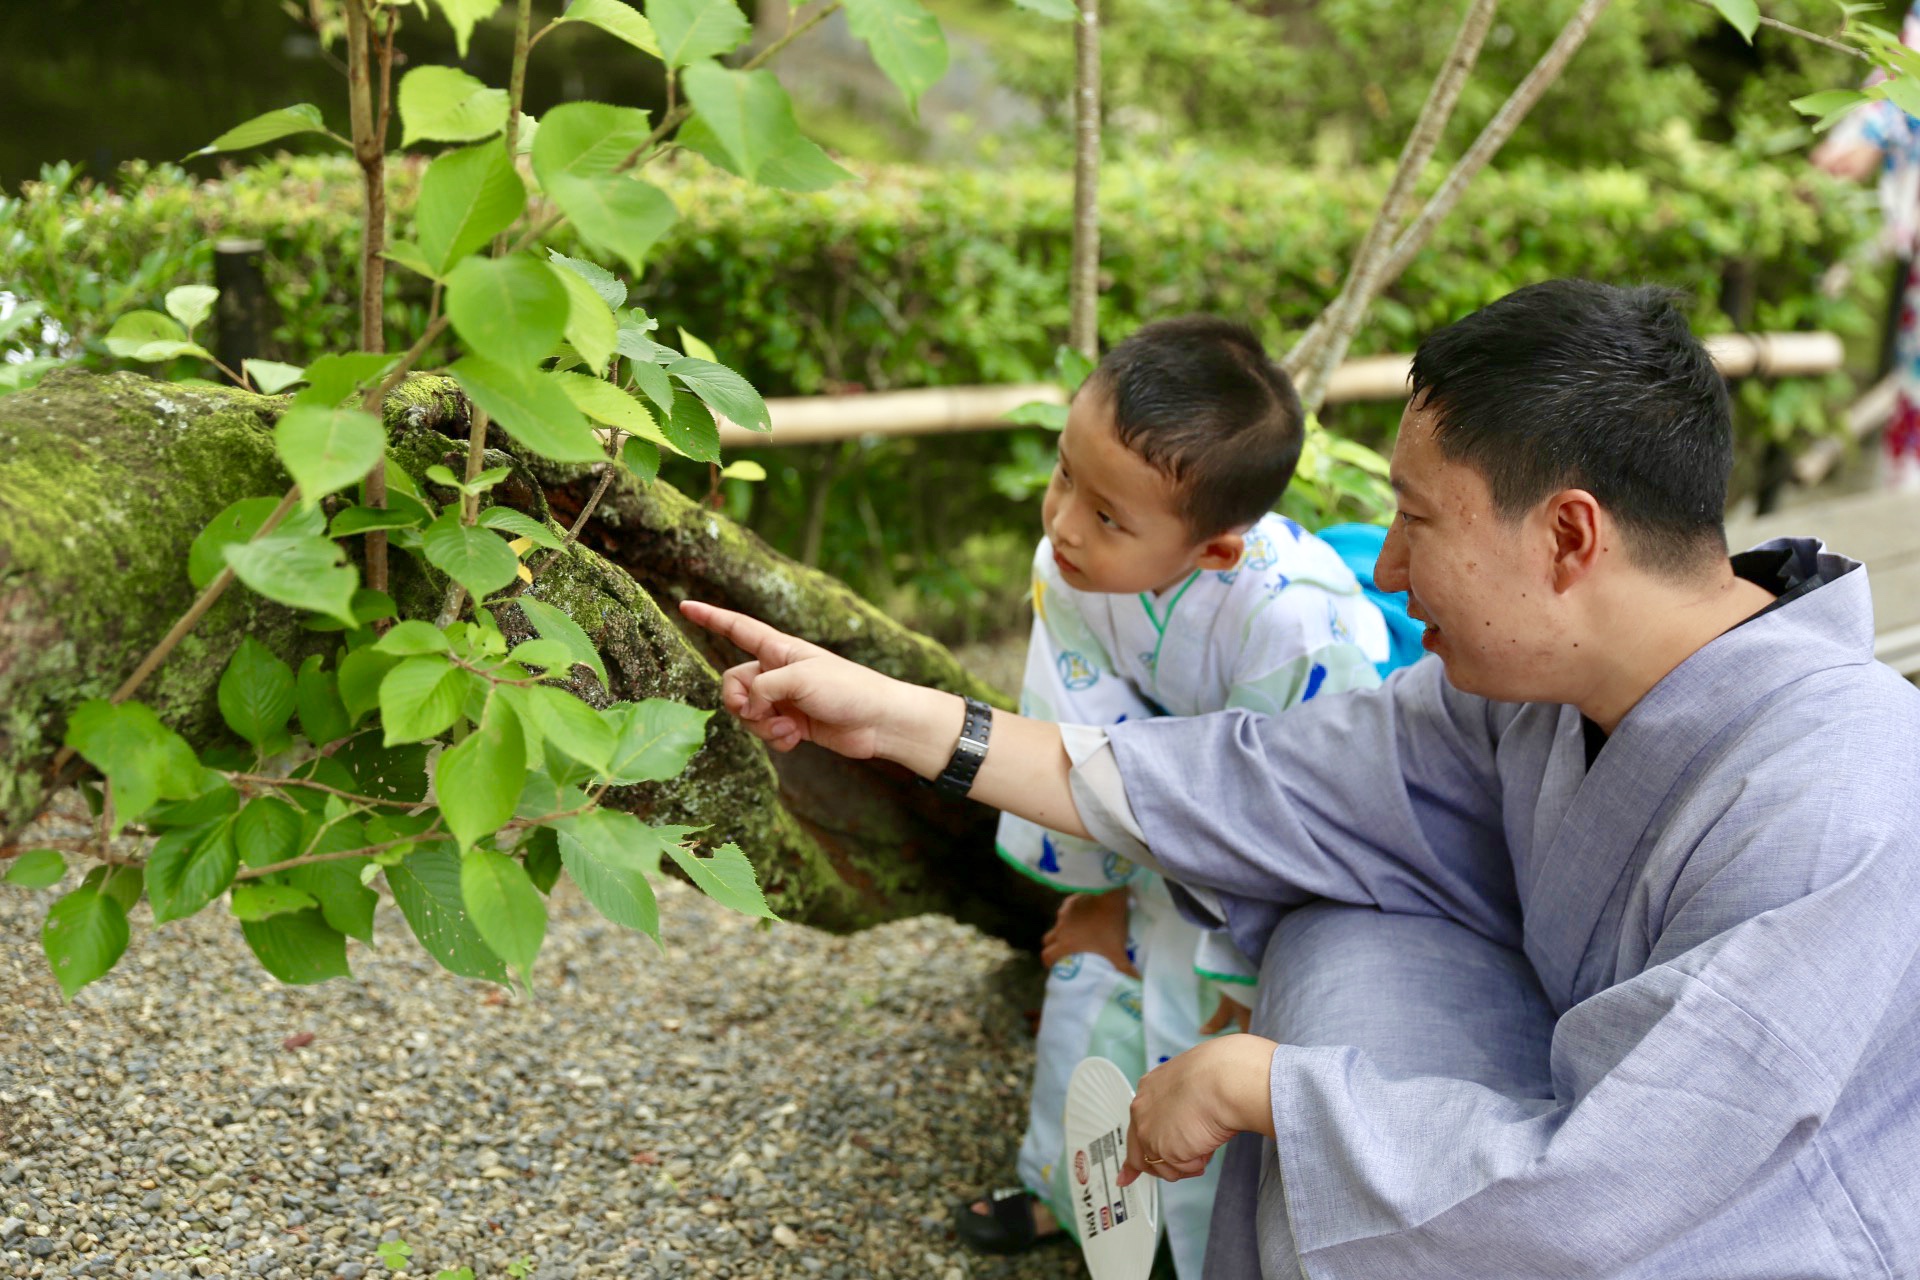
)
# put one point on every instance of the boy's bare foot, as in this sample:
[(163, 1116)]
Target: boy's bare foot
[(1090, 924)]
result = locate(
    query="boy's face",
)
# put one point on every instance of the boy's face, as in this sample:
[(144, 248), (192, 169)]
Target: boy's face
[(1113, 519)]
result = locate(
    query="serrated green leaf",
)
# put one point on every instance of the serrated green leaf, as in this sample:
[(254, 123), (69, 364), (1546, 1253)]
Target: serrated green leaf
[(590, 327), (1743, 14), (413, 637), (421, 698), (142, 759), (427, 887), (906, 41), (622, 21), (360, 675), (135, 331), (510, 310), (642, 457), (518, 524), (479, 781), (690, 429), (505, 908), (238, 523), (568, 723), (191, 303), (540, 855), (654, 739), (748, 113), (36, 869), (356, 520), (301, 571), (547, 620), (267, 831), (541, 653), (723, 390), (123, 884), (85, 934), (298, 948), (442, 104), (411, 256), (478, 559), (604, 402), (690, 30), (530, 409), (215, 798), (725, 876), (799, 164), (189, 868), (397, 774), (464, 16), (346, 904), (258, 900), (256, 696), (467, 197), (580, 146), (746, 469), (302, 117), (271, 377), (605, 851), (609, 286), (325, 450), (332, 378)]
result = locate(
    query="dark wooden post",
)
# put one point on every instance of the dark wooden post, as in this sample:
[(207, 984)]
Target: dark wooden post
[(243, 317)]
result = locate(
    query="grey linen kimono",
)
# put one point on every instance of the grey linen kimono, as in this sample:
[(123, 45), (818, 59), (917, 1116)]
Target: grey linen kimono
[(1656, 1017)]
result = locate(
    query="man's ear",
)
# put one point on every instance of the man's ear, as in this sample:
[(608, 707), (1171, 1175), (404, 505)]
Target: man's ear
[(1222, 551), (1580, 532)]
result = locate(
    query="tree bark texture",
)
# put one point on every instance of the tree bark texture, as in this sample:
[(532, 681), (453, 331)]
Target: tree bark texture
[(106, 480)]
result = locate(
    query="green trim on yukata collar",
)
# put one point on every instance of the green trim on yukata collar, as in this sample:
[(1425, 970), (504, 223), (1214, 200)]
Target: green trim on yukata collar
[(1160, 624), (1241, 979)]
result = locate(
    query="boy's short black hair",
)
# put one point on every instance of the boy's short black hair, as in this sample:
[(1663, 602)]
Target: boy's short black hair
[(1575, 384), (1199, 400)]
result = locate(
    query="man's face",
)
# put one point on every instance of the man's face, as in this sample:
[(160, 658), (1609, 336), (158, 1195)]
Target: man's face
[(1111, 516), (1483, 584)]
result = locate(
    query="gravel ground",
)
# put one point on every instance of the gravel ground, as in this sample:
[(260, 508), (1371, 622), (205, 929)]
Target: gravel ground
[(756, 1101)]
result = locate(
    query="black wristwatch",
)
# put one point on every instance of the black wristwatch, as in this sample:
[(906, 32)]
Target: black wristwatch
[(957, 778)]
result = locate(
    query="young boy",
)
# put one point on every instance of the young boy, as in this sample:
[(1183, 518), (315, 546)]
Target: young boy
[(1163, 586)]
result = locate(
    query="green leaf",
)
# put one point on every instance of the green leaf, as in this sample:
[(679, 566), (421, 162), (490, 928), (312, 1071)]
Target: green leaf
[(360, 675), (531, 409), (542, 653), (1831, 106), (604, 282), (464, 16), (479, 781), (427, 887), (568, 723), (690, 429), (1039, 413), (748, 113), (548, 621), (397, 774), (271, 376), (346, 904), (1058, 10), (510, 310), (123, 884), (467, 197), (690, 30), (799, 165), (656, 386), (355, 520), (725, 391), (604, 402), (695, 347), (191, 303), (267, 831), (298, 948), (302, 117), (1743, 14), (642, 457), (411, 256), (520, 525), (421, 698), (603, 850), (257, 696), (745, 469), (394, 1253), (143, 759), (590, 326), (726, 876), (905, 40), (575, 157), (85, 934), (189, 868), (413, 637), (238, 523), (26, 313), (654, 739), (616, 19), (151, 337), (444, 105), (478, 559), (332, 378), (258, 900), (216, 799), (540, 854), (1903, 91), (505, 908), (298, 570), (36, 869)]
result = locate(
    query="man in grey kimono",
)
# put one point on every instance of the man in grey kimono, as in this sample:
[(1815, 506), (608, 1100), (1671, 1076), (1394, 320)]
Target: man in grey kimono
[(1588, 949)]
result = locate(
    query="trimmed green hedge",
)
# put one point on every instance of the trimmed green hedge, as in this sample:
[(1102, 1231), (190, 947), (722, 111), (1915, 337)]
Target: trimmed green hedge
[(917, 277)]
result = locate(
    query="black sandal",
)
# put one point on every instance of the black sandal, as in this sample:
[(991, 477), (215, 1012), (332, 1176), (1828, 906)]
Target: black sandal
[(1006, 1227)]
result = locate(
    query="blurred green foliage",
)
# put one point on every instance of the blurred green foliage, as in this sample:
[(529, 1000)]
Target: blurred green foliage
[(917, 277)]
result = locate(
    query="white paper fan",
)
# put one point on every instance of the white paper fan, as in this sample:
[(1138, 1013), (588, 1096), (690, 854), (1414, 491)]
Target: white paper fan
[(1119, 1227)]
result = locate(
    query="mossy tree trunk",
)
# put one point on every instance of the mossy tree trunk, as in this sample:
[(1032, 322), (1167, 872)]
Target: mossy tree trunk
[(105, 481)]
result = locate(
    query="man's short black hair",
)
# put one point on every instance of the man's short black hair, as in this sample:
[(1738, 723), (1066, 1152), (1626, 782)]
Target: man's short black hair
[(1572, 384), (1200, 401)]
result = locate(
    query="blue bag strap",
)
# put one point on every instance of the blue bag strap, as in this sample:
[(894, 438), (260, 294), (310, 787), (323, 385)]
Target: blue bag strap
[(1359, 545)]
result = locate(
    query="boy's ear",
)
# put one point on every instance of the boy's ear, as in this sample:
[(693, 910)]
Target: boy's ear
[(1223, 550)]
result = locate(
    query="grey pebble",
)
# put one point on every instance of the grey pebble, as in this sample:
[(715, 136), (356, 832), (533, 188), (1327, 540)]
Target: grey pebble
[(352, 1270)]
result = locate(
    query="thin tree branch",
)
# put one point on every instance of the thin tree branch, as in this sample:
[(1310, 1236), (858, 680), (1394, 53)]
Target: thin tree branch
[(580, 521), (370, 119), (1838, 46), (308, 859), (268, 780), (1083, 329)]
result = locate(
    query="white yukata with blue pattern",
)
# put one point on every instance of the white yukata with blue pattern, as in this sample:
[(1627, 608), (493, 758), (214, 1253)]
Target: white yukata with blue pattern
[(1289, 623)]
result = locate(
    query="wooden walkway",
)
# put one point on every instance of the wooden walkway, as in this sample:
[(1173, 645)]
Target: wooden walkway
[(1883, 530)]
